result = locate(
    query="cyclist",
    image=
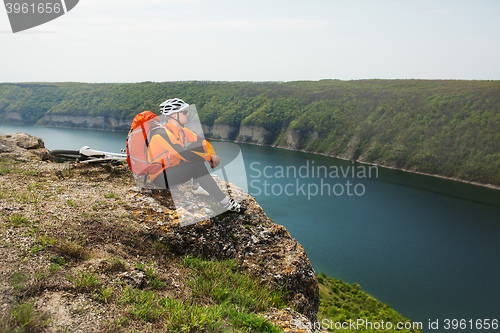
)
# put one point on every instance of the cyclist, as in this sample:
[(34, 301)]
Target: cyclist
[(182, 154)]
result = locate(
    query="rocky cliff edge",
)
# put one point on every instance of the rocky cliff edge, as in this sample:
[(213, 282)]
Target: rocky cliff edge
[(61, 219)]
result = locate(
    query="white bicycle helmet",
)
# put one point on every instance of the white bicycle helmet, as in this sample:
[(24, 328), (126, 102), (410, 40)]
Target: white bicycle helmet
[(173, 105)]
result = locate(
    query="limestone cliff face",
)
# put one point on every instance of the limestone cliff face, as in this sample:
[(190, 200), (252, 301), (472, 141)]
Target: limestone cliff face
[(220, 131), (13, 117), (253, 134), (287, 138), (250, 134), (86, 122), (351, 151), (296, 139)]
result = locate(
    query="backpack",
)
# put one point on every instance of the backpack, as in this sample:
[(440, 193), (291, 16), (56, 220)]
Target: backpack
[(137, 143)]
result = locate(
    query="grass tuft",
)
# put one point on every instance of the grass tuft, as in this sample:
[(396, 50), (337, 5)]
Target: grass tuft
[(116, 265), (73, 249), (106, 294), (58, 260), (18, 279), (46, 241), (111, 196), (84, 280), (24, 317), (16, 220), (7, 167)]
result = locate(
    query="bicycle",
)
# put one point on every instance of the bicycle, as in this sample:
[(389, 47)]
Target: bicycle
[(88, 155)]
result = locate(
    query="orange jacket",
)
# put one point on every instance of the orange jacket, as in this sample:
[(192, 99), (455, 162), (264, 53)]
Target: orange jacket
[(170, 146)]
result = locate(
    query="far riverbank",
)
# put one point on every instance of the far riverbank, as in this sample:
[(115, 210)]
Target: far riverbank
[(490, 186)]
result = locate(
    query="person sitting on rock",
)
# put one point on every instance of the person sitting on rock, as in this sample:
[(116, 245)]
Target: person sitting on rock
[(182, 154)]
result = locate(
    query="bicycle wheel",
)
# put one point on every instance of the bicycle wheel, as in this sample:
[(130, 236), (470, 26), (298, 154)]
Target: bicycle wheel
[(67, 154)]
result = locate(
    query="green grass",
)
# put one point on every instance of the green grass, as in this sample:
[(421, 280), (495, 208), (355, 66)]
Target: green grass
[(27, 198), (46, 241), (116, 265), (111, 196), (71, 203), (36, 248), (54, 267), (190, 316), (341, 302), (58, 260), (24, 318), (17, 220), (32, 173), (221, 299), (56, 263), (4, 170), (144, 304), (140, 266), (222, 282), (85, 280), (149, 270), (158, 283), (8, 167), (106, 293), (18, 279), (73, 249)]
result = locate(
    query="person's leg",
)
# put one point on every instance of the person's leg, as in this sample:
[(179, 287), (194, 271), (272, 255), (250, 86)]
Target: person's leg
[(161, 181), (176, 175), (208, 184), (198, 171), (197, 189), (184, 172)]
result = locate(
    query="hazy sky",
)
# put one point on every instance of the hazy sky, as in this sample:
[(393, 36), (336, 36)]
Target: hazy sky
[(231, 40)]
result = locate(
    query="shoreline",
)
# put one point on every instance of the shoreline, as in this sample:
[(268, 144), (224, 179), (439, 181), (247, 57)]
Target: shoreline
[(489, 186)]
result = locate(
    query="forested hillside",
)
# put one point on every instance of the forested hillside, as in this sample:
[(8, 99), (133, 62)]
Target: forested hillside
[(449, 128)]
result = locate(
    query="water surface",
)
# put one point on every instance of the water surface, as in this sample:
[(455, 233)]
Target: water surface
[(428, 247)]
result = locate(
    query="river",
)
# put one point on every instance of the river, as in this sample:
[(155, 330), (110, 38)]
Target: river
[(428, 247)]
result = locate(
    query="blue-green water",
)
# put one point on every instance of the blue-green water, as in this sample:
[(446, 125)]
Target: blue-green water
[(428, 247)]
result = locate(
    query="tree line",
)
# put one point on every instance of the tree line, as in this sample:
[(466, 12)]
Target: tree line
[(444, 127)]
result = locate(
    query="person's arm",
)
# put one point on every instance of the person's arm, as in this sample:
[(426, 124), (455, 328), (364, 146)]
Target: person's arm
[(204, 149), (215, 161), (195, 152)]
